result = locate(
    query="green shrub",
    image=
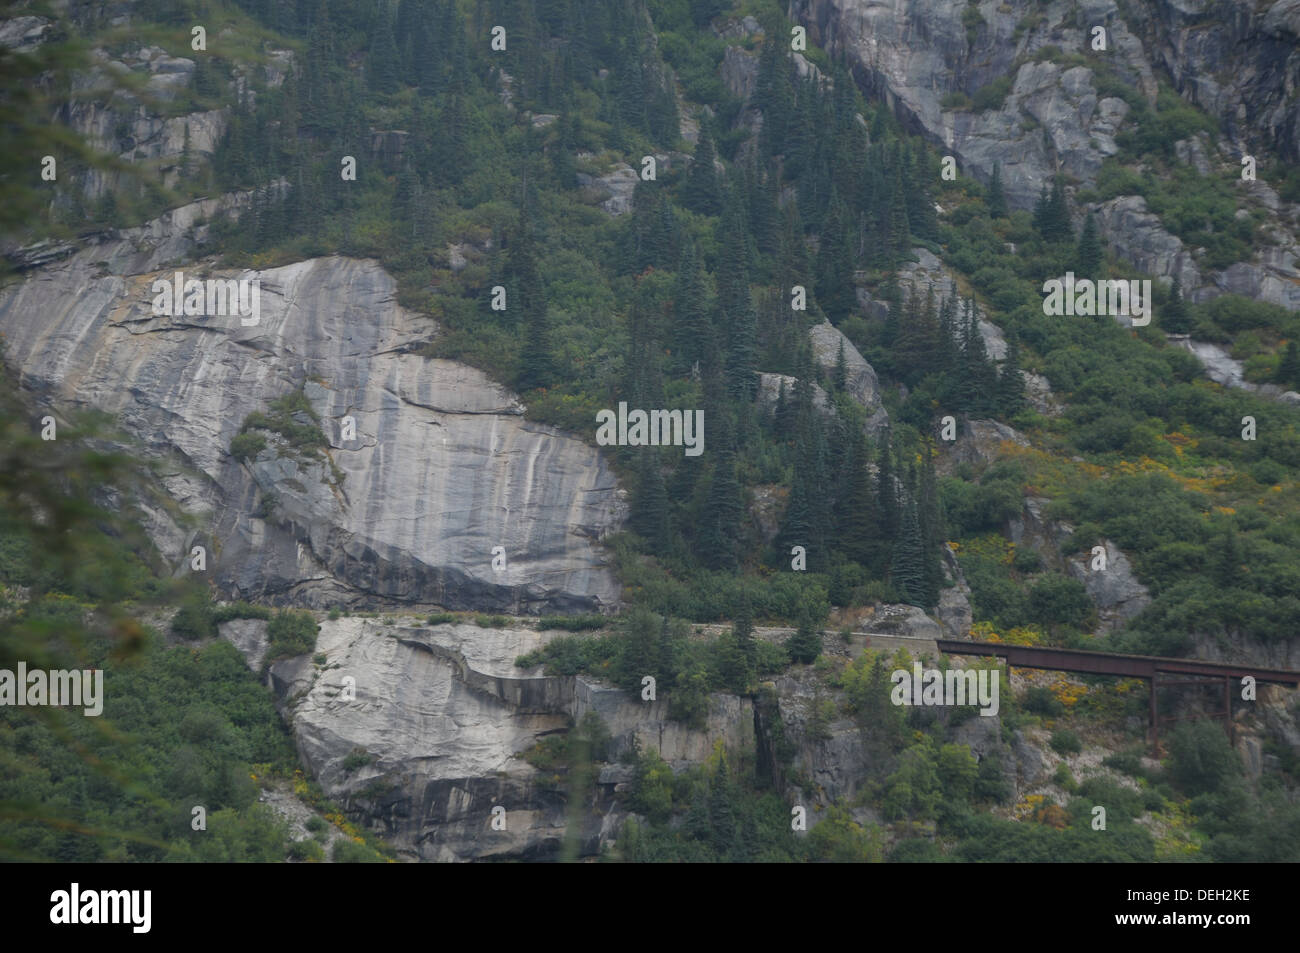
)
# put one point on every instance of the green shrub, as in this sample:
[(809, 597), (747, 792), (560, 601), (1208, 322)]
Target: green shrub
[(290, 633), (1066, 741), (1064, 778), (1027, 560), (1041, 701), (194, 619), (306, 851), (1200, 758), (246, 445), (442, 618), (572, 623), (240, 610), (357, 758), (1125, 762), (991, 95), (347, 851)]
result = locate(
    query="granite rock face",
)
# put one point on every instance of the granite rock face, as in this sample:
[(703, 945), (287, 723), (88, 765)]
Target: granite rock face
[(860, 378), (1238, 60), (1115, 590), (440, 716), (443, 467)]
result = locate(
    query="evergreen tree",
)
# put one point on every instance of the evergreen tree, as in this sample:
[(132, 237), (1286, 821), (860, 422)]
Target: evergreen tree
[(1088, 257), (1011, 384), (887, 491), (921, 217), (796, 525), (382, 63), (976, 388), (858, 524), (692, 330), (840, 377), (701, 192), (529, 303), (1052, 213), (563, 165), (898, 237), (722, 814), (806, 643), (536, 365), (996, 201), (1174, 317), (720, 521), (907, 568), (1226, 560), (931, 528), (742, 355), (650, 511), (742, 629), (1288, 369), (835, 288)]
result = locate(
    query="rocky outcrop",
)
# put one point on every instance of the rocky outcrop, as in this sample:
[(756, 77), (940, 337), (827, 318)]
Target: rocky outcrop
[(739, 72), (613, 189), (1138, 237), (771, 385), (913, 55), (860, 378), (925, 275), (442, 470), (1115, 590), (1237, 60), (978, 443), (419, 730)]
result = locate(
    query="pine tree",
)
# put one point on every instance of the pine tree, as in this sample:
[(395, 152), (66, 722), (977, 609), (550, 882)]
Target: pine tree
[(931, 528), (1052, 213), (563, 165), (921, 217), (840, 377), (1011, 384), (859, 521), (907, 568), (994, 199), (742, 357), (978, 377), (722, 813), (701, 192), (796, 526), (1227, 557), (806, 643), (887, 491), (650, 511), (743, 630), (535, 364), (1174, 316), (720, 520), (382, 63), (835, 288), (1088, 257), (899, 239), (819, 478), (692, 329), (1288, 369)]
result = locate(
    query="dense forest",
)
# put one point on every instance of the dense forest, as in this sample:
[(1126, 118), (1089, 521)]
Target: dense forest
[(799, 204)]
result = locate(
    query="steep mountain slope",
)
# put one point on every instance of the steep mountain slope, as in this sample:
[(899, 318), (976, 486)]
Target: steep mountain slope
[(442, 469), (467, 251)]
